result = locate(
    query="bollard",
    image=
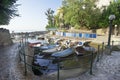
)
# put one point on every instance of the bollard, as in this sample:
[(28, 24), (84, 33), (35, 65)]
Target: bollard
[(91, 65)]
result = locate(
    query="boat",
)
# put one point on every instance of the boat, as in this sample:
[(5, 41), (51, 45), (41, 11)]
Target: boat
[(50, 51), (63, 53), (41, 37), (33, 43), (81, 50), (46, 47), (89, 48), (82, 43)]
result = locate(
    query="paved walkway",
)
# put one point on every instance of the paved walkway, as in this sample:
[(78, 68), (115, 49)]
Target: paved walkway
[(10, 67), (7, 55)]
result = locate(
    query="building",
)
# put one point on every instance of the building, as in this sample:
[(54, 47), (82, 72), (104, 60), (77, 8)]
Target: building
[(101, 3)]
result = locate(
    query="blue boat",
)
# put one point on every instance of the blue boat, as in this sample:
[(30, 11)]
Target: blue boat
[(63, 53)]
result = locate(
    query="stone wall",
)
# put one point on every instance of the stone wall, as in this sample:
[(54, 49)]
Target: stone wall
[(102, 31), (5, 38)]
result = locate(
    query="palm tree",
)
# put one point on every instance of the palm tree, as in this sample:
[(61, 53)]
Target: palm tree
[(50, 17)]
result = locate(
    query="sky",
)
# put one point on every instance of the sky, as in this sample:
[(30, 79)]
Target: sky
[(32, 15)]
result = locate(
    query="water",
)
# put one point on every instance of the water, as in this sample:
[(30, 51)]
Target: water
[(70, 66), (46, 64)]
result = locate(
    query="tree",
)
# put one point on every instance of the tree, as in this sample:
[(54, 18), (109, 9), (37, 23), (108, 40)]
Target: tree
[(113, 8), (49, 13), (8, 10), (60, 14), (56, 21), (80, 13)]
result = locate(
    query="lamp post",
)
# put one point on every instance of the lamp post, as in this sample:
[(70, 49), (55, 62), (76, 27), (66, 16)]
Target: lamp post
[(111, 18)]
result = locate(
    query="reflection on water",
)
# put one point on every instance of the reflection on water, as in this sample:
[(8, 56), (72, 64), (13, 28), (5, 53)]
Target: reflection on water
[(46, 64)]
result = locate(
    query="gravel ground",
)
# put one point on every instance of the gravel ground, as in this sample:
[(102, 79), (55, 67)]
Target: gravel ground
[(108, 68)]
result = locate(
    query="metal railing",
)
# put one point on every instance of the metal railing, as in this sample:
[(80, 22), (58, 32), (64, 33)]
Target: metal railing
[(93, 58), (103, 47)]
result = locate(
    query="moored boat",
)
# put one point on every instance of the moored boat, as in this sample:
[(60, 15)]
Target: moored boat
[(63, 53), (34, 44), (50, 51), (81, 50), (46, 47)]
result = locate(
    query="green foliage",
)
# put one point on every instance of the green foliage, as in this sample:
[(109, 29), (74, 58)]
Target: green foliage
[(77, 26), (56, 20), (85, 14), (81, 13), (7, 11), (113, 8)]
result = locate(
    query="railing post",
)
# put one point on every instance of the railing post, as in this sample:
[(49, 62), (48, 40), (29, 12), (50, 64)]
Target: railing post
[(112, 43), (98, 53), (102, 47), (111, 46), (58, 65), (25, 62), (20, 56), (20, 43), (91, 65)]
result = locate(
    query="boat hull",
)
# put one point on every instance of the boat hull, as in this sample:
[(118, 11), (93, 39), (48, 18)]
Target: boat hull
[(50, 51), (63, 53), (81, 50)]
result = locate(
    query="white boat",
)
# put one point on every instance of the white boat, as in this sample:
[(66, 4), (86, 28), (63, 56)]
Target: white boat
[(63, 53), (50, 51), (34, 42), (46, 47)]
